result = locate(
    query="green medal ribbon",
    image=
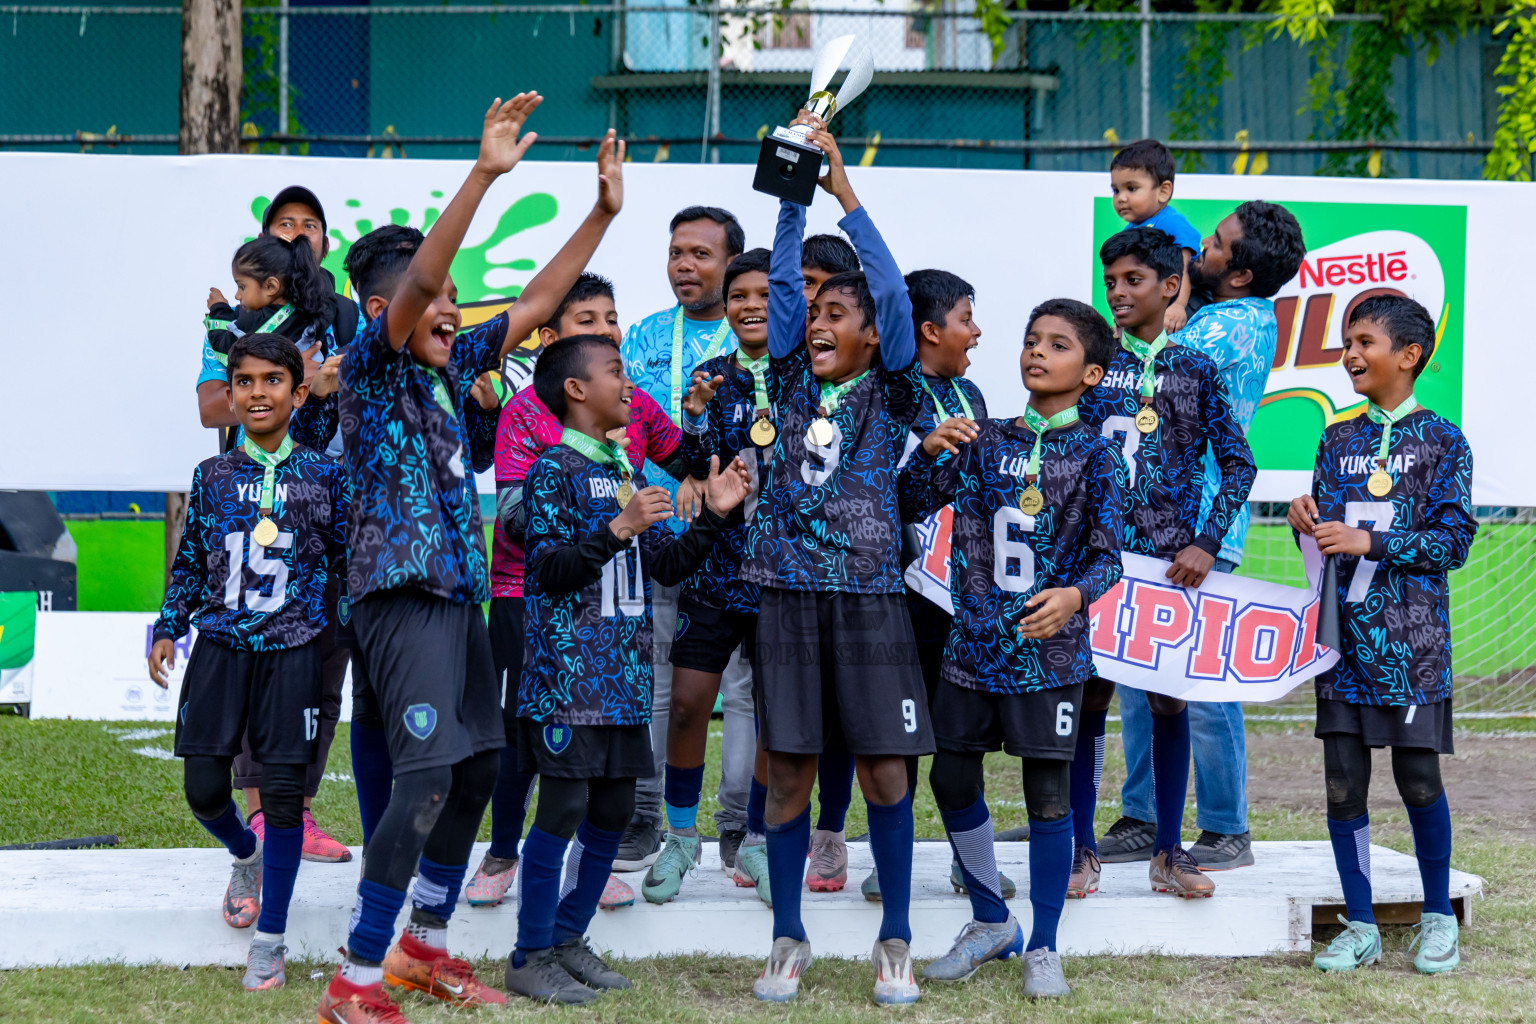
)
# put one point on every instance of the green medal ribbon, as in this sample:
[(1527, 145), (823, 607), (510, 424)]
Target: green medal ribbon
[(832, 394), (1147, 354), (758, 368), (604, 453), (1376, 414), (274, 321), (1040, 424), (268, 461), (939, 406), (677, 359), (440, 390)]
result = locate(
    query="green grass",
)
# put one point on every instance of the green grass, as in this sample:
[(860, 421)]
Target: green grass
[(60, 778), (121, 564)]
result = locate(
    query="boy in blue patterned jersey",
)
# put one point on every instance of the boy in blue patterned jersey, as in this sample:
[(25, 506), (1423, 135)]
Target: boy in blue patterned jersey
[(417, 578), (1038, 516), (1391, 511), (825, 547), (264, 529), (1166, 405), (596, 539)]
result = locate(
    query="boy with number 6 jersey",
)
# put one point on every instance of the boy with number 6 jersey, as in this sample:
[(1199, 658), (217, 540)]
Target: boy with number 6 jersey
[(1038, 516)]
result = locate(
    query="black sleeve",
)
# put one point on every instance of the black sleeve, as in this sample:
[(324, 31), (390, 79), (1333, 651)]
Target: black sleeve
[(567, 569), (675, 556)]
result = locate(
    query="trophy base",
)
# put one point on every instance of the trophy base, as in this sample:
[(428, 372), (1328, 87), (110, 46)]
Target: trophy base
[(788, 166)]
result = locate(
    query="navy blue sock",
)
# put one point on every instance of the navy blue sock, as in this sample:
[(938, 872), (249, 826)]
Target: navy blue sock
[(586, 874), (1352, 854), (1432, 846), (1087, 770), (970, 836), (374, 774), (757, 803), (437, 887), (509, 804), (229, 829), (1170, 777), (1050, 867), (373, 921), (890, 840), (787, 845), (681, 792), (280, 855), (834, 776), (538, 891)]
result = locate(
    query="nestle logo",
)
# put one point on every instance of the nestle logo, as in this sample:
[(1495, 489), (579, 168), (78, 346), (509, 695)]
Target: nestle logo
[(1366, 268)]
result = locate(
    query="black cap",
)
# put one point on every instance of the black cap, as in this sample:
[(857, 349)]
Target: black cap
[(292, 194)]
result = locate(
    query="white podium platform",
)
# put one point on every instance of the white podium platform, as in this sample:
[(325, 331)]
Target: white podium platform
[(162, 906)]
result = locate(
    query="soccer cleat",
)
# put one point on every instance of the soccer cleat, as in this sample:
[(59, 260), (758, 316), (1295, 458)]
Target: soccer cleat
[(242, 898), (542, 979), (493, 878), (346, 1003), (320, 847), (665, 878), (413, 964), (752, 870), (1358, 945), (1129, 839), (730, 842), (1218, 851), (1085, 874), (894, 984), (957, 881), (780, 981), (257, 823), (639, 847), (828, 870), (979, 942), (587, 967), (1043, 977), (616, 894), (264, 966), (1175, 871), (1438, 942), (870, 887)]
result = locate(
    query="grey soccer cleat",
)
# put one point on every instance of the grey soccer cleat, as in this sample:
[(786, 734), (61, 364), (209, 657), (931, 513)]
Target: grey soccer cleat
[(1043, 977), (978, 943)]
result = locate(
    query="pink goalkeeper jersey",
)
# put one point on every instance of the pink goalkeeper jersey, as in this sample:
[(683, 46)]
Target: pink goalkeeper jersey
[(526, 429)]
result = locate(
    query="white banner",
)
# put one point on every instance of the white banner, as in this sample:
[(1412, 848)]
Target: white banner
[(120, 283)]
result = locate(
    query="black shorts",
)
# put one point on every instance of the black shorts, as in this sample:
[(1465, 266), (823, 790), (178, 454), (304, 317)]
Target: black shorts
[(273, 694), (429, 665), (506, 628), (707, 637), (585, 751), (837, 671), (1427, 726), (1040, 724)]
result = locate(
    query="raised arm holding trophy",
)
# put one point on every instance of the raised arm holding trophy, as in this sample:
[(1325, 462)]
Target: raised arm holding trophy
[(788, 163)]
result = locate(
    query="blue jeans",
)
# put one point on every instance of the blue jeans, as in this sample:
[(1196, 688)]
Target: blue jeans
[(1220, 751)]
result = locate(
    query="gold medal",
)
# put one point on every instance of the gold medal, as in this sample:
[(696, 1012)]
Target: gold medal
[(1146, 419), (820, 434), (1031, 501), (763, 433), (265, 532), (625, 492), (1379, 483)]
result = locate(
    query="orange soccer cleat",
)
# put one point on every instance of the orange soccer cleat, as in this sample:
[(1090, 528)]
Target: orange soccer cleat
[(346, 1003), (413, 964)]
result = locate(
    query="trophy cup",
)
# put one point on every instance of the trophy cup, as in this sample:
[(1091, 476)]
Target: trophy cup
[(788, 164)]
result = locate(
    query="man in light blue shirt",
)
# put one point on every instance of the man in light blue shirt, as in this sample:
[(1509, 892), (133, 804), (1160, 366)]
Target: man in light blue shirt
[(660, 353), (1250, 255)]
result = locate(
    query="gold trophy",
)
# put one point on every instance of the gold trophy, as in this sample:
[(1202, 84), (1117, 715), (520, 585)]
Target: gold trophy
[(788, 164)]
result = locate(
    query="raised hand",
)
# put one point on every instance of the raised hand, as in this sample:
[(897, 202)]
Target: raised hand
[(835, 181), (327, 379), (610, 174), (947, 436), (701, 394), (651, 505), (500, 145), (723, 491), (216, 298)]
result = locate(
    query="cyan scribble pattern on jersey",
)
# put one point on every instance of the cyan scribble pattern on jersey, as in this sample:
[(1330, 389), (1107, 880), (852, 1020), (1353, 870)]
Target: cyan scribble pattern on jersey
[(241, 595), (1163, 499), (716, 584), (415, 519), (1394, 604), (1000, 557), (1239, 336), (587, 657)]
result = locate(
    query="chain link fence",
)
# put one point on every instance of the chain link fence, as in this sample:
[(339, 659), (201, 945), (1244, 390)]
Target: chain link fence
[(702, 82)]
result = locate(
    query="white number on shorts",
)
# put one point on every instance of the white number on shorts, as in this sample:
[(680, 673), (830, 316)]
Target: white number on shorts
[(1006, 551), (1379, 515), (1124, 425), (909, 714), (236, 547), (622, 585), (1064, 718), (311, 723)]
